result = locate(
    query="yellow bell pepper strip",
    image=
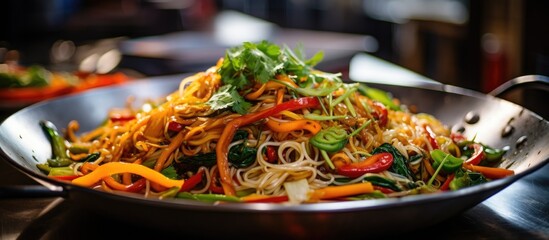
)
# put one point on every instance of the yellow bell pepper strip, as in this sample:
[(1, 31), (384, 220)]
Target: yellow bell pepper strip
[(331, 192), (310, 125), (490, 172), (111, 168), (373, 164), (222, 146)]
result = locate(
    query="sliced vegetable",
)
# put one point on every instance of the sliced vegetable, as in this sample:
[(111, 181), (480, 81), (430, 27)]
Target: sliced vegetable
[(490, 172), (256, 198), (205, 197), (478, 154), (431, 136), (330, 139), (400, 165), (191, 182), (380, 113), (60, 158), (378, 95), (297, 190), (309, 125), (332, 192), (373, 164), (451, 163), (231, 127), (494, 154), (447, 182), (112, 168), (465, 179)]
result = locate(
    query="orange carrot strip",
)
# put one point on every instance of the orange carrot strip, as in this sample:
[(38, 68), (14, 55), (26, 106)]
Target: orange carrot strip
[(341, 191), (310, 125), (490, 172)]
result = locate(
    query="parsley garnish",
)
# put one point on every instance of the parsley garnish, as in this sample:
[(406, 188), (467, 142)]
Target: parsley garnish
[(251, 63)]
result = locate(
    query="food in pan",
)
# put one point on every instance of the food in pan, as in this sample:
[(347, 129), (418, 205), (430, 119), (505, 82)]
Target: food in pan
[(36, 83), (263, 125)]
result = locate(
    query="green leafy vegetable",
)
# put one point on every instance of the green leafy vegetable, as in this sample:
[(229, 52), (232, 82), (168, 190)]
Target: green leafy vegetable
[(170, 172), (465, 179), (400, 164), (227, 96)]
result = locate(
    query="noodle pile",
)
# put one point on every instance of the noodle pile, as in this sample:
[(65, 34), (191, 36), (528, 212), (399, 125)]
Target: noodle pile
[(183, 137)]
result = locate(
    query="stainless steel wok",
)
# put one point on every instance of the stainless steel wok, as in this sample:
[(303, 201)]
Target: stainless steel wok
[(500, 123)]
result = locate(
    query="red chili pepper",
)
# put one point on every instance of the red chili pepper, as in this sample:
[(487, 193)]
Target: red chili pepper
[(190, 183), (137, 186), (271, 154), (65, 177), (121, 115), (373, 164), (457, 137), (383, 189), (380, 113), (477, 156), (431, 136), (228, 132), (175, 126), (446, 183)]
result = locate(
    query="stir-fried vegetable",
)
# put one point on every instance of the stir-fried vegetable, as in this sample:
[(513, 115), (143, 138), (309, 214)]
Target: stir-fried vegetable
[(264, 126)]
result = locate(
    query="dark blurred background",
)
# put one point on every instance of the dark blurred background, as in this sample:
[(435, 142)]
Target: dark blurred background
[(472, 44)]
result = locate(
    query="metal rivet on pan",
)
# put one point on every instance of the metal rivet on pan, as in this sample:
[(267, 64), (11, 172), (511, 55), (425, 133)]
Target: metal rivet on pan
[(521, 141), (507, 130), (458, 128), (472, 117)]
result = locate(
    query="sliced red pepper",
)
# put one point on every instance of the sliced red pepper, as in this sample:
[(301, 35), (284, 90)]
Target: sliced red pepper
[(380, 113), (383, 189), (222, 146), (447, 182), (457, 137), (478, 154), (271, 154), (175, 126), (373, 164), (137, 186), (192, 181), (431, 136), (121, 115), (65, 177)]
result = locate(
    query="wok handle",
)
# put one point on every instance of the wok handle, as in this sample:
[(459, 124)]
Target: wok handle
[(537, 81), (29, 191)]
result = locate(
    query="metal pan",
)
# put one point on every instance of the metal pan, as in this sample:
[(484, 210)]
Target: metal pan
[(498, 123)]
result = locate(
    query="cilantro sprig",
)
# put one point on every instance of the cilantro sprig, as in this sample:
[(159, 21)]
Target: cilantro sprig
[(251, 63)]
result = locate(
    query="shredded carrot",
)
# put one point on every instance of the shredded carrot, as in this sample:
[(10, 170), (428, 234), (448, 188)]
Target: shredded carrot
[(490, 172), (341, 191), (310, 125)]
